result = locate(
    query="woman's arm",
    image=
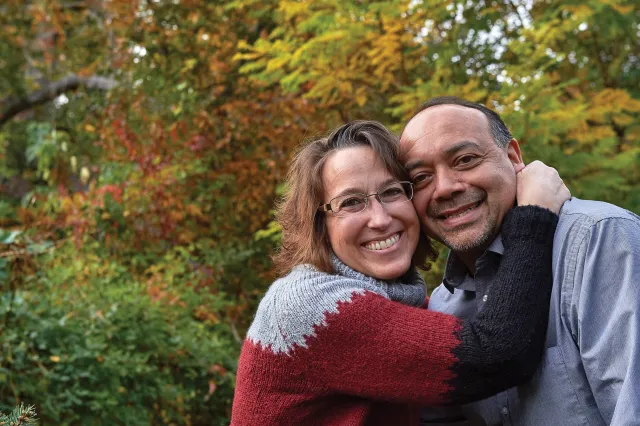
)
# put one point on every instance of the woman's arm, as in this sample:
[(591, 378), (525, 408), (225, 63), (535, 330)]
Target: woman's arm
[(376, 348)]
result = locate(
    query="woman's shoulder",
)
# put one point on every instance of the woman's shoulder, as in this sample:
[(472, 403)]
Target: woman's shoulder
[(306, 285), (300, 301)]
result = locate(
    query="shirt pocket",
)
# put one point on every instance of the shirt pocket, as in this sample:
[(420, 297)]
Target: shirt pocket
[(551, 397)]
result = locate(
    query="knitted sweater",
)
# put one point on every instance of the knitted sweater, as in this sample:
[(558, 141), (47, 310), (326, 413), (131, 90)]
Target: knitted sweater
[(347, 349)]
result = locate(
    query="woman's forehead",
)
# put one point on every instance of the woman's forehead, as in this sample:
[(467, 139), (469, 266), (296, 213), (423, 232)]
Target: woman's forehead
[(356, 168)]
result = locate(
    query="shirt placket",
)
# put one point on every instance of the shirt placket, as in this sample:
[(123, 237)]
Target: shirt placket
[(503, 405)]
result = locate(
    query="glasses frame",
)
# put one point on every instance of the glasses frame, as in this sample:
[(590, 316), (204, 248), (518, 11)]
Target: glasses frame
[(327, 206)]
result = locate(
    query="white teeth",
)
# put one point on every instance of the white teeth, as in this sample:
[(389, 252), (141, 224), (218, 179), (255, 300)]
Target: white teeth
[(381, 245), (461, 213)]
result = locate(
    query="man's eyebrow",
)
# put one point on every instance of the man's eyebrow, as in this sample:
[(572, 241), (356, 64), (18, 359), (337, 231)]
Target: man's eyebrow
[(414, 164), (459, 146), (449, 152)]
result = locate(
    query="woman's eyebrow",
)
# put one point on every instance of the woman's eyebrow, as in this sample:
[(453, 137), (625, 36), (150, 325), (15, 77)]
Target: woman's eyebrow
[(352, 190), (347, 191)]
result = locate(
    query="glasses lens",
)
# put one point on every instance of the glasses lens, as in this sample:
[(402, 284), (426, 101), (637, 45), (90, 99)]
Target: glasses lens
[(398, 191), (352, 203)]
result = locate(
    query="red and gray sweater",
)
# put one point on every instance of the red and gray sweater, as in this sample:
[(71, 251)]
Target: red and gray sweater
[(346, 349)]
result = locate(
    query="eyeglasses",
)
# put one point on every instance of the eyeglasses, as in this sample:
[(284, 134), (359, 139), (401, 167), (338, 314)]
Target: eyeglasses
[(356, 202)]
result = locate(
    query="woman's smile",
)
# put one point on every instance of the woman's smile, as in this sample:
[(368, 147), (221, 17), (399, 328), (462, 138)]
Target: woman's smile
[(383, 244)]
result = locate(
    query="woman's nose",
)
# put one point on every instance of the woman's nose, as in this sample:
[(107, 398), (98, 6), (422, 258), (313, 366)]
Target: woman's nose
[(379, 216)]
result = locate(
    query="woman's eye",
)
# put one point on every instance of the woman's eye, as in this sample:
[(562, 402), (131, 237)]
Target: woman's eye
[(350, 202), (390, 192)]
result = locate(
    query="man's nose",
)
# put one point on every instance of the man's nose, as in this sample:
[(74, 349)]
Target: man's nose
[(379, 216), (447, 185)]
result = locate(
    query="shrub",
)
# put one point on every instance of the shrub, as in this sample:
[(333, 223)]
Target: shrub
[(89, 343)]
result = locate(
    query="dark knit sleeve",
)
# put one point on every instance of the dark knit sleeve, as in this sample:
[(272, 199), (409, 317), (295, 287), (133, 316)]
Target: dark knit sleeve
[(502, 346)]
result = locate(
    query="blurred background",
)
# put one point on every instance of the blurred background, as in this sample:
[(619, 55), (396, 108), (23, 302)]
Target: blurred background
[(143, 144)]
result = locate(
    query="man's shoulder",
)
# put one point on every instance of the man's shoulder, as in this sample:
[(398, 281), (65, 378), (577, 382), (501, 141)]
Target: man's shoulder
[(593, 211), (596, 224), (578, 217)]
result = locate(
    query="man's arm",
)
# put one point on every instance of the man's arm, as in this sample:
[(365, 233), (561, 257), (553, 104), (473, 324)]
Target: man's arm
[(605, 316)]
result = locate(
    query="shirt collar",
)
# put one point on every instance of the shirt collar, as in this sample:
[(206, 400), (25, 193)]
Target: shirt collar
[(456, 271)]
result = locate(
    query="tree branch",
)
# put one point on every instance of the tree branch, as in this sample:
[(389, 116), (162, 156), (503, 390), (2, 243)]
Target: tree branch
[(51, 91)]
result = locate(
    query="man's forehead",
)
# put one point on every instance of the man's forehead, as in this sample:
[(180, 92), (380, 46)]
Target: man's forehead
[(444, 117), (411, 146), (453, 121)]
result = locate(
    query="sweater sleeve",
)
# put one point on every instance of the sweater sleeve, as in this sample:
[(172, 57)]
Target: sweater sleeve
[(375, 348)]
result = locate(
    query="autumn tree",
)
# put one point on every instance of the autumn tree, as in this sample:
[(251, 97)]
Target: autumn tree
[(149, 162), (144, 143), (564, 76)]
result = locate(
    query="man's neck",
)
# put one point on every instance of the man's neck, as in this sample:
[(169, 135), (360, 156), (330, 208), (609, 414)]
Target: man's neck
[(469, 260), (470, 257)]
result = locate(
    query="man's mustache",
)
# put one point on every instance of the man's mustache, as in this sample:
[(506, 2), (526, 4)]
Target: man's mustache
[(436, 207)]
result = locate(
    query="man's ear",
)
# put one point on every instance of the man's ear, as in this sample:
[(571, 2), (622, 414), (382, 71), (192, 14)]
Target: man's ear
[(515, 156)]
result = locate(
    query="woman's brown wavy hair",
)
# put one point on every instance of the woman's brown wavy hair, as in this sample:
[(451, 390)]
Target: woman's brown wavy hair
[(304, 232)]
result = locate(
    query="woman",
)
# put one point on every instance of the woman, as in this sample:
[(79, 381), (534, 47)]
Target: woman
[(344, 337)]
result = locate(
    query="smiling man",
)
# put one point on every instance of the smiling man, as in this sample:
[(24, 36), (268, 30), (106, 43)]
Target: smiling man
[(463, 162)]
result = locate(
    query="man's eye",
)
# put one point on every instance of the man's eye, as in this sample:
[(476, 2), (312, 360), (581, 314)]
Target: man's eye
[(421, 179), (466, 160)]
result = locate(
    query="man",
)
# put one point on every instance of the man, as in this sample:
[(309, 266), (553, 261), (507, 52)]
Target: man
[(463, 162)]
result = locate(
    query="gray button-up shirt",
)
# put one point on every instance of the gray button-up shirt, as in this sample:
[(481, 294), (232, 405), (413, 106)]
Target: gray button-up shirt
[(590, 374)]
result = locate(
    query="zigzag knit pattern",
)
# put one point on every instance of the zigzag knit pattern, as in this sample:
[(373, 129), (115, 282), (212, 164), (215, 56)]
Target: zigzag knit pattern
[(346, 349), (294, 306)]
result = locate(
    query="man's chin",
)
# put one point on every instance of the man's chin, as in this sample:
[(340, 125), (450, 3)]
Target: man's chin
[(465, 240)]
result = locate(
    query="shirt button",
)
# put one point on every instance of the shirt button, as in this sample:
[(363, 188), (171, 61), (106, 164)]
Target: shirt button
[(484, 298), (504, 411)]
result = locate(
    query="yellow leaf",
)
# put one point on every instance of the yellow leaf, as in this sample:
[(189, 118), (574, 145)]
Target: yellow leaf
[(623, 119), (189, 64), (89, 128), (54, 358), (623, 10)]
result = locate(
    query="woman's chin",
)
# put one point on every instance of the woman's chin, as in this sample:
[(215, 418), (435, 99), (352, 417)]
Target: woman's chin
[(388, 272)]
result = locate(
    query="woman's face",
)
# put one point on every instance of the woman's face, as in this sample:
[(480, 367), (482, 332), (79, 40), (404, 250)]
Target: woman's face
[(353, 237)]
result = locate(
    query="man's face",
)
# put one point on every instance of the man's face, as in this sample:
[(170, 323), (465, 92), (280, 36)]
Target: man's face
[(464, 182)]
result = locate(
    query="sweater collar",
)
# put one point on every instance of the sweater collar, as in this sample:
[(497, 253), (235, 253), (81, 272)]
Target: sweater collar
[(408, 289)]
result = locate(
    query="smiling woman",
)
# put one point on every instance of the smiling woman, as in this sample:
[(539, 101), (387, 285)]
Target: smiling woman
[(381, 240), (344, 336)]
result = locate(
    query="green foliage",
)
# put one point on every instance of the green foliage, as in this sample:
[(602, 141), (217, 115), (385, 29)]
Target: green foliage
[(91, 344), (136, 223), (20, 416)]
